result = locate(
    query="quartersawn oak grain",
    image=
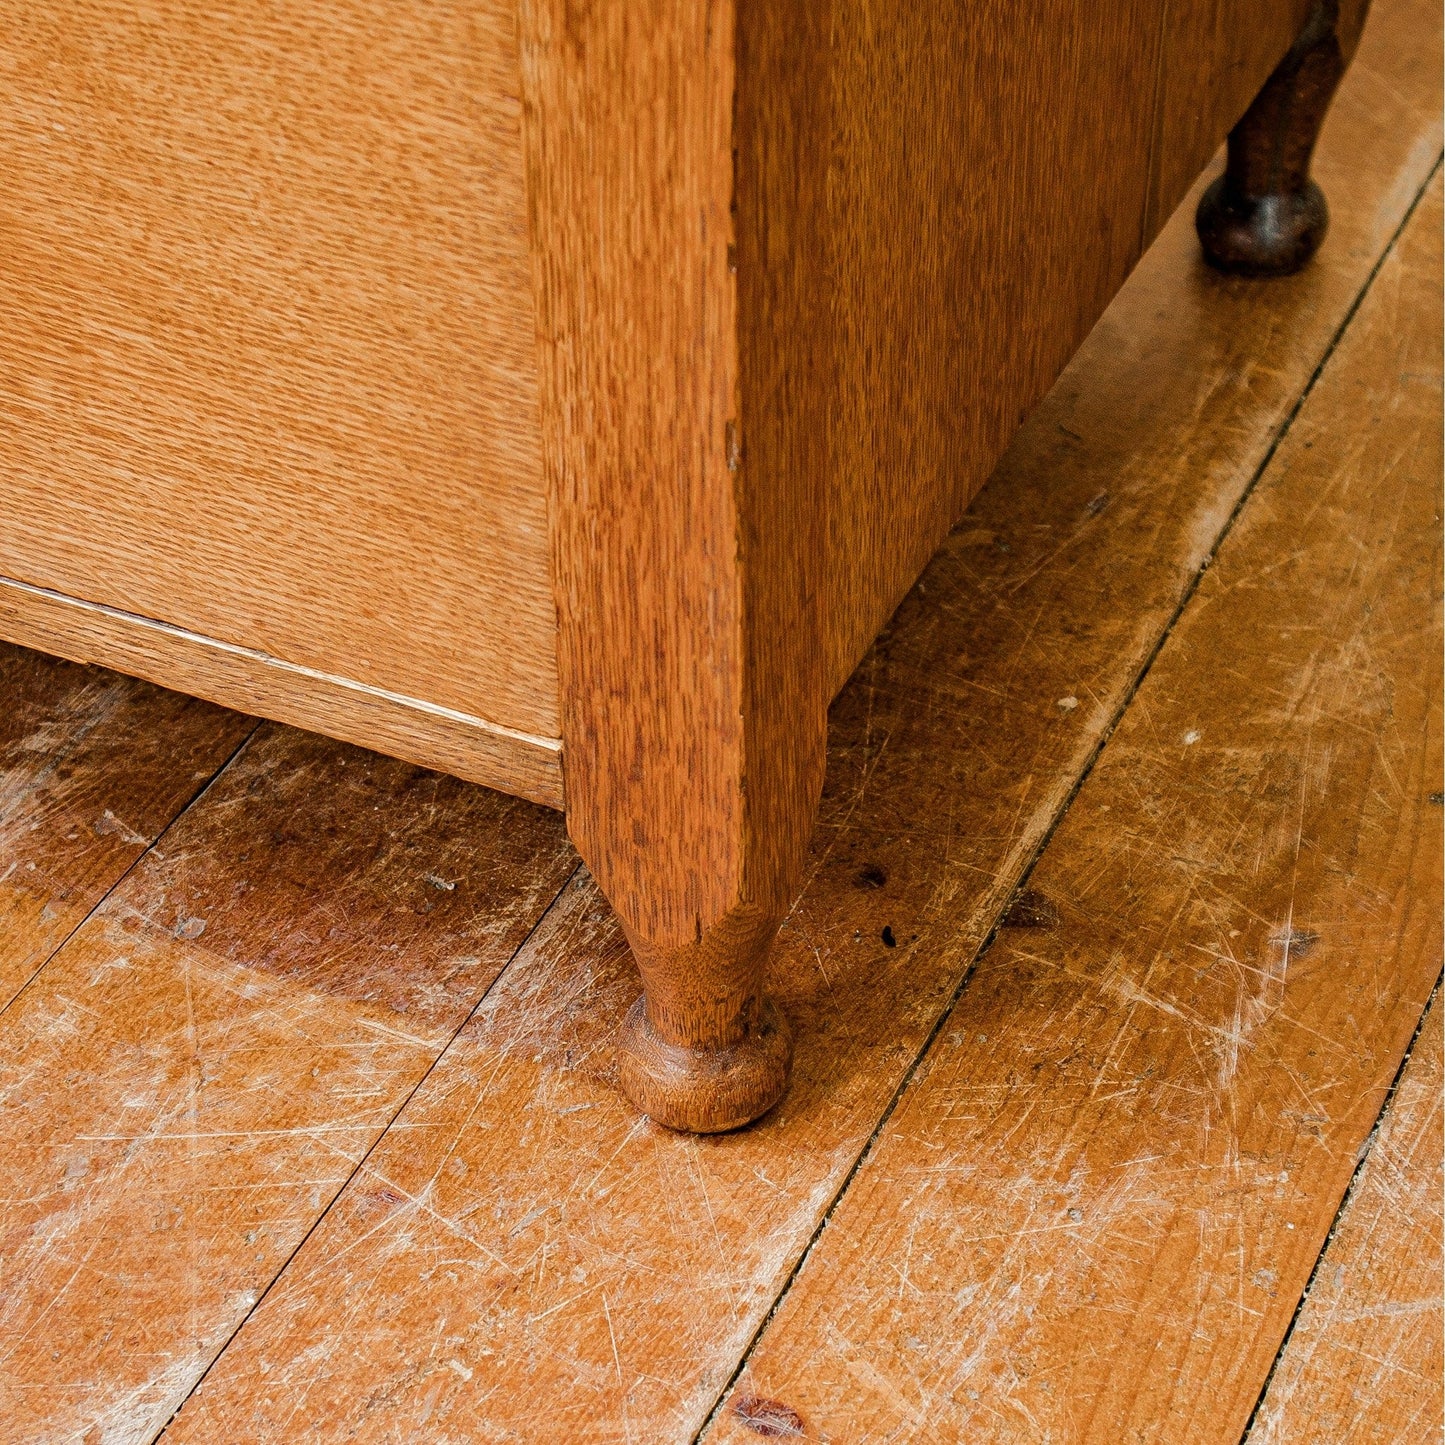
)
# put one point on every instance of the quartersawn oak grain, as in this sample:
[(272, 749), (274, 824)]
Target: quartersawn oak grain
[(93, 767), (285, 397), (769, 248), (969, 155), (1363, 1361), (1092, 1216), (563, 1270), (977, 178), (195, 1074), (270, 370)]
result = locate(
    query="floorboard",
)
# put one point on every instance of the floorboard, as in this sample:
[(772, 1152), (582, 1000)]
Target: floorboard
[(307, 1096), (1363, 1364), (1094, 1210), (93, 766), (201, 1067)]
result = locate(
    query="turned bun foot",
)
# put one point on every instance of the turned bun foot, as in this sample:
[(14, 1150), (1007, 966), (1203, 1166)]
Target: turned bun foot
[(1271, 235), (1265, 216), (705, 1091)]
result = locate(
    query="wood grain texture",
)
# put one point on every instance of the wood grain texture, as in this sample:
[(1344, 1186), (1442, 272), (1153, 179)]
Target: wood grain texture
[(328, 306), (1363, 1362), (410, 728), (562, 1270), (978, 179), (687, 550), (289, 250), (270, 362), (762, 321), (1093, 1215), (92, 768), (196, 1073), (979, 176)]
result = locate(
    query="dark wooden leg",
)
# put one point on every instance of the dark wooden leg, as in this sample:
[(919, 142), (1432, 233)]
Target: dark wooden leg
[(682, 344), (1265, 216)]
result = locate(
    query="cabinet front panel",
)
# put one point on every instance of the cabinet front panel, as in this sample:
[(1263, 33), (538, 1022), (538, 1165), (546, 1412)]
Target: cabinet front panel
[(268, 362)]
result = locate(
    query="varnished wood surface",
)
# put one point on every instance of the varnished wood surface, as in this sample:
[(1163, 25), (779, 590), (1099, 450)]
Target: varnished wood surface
[(561, 1269), (1363, 1361), (552, 1267), (269, 371), (979, 177), (1093, 1214), (275, 383), (783, 271), (274, 378), (92, 767), (1214, 57), (948, 223)]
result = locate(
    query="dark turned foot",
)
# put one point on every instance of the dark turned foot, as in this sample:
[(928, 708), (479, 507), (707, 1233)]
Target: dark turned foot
[(1265, 216), (1264, 235)]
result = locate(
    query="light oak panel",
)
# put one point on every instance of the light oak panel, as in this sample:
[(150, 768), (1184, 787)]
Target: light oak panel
[(974, 185), (985, 203), (269, 372)]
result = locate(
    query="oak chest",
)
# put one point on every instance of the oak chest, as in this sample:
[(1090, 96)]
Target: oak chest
[(563, 395)]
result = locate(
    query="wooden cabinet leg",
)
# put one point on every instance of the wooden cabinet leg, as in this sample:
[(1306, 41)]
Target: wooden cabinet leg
[(1265, 216), (678, 203)]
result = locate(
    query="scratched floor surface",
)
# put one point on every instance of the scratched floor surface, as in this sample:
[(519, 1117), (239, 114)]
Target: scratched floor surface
[(1116, 1114)]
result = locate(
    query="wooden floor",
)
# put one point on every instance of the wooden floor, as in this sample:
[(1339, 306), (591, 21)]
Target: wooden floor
[(1117, 1107)]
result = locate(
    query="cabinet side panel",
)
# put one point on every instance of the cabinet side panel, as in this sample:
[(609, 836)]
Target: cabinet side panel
[(988, 196), (989, 191), (269, 368)]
